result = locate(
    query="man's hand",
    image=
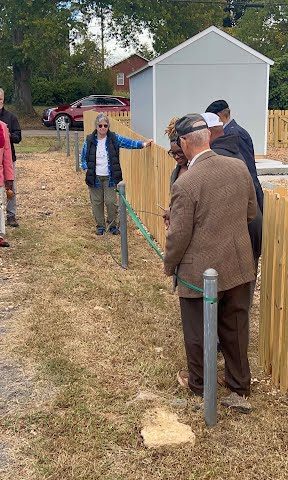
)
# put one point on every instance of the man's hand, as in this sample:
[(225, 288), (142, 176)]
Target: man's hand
[(168, 272), (8, 184), (166, 217), (148, 143)]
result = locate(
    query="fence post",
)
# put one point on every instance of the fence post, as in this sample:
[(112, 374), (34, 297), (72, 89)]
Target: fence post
[(76, 150), (123, 225), (210, 347), (58, 135), (67, 138)]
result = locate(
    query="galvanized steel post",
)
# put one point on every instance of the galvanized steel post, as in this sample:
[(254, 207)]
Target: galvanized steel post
[(58, 135), (123, 225), (210, 346), (67, 138), (76, 150)]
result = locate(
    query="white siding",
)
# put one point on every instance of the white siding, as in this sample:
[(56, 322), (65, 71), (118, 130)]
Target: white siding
[(141, 103), (211, 49), (191, 88)]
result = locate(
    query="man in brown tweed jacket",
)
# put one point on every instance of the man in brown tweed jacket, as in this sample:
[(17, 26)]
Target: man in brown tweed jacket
[(211, 206)]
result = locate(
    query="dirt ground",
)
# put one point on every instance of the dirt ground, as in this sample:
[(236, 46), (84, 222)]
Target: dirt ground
[(278, 154), (81, 339)]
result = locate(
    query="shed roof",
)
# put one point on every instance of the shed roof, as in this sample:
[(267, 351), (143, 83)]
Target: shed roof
[(197, 37), (128, 58)]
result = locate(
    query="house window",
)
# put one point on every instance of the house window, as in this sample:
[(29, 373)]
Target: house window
[(120, 78)]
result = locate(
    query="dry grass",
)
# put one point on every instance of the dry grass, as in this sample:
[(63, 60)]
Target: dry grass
[(278, 154), (93, 333)]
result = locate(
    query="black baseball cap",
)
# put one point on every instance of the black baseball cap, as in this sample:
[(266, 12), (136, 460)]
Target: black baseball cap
[(217, 106)]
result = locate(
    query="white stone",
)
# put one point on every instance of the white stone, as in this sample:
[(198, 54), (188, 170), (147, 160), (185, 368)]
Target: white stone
[(163, 428)]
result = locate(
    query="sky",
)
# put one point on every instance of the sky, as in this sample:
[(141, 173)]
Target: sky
[(115, 51)]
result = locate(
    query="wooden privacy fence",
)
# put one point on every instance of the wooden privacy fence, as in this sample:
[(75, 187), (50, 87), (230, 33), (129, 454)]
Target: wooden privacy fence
[(274, 287), (146, 173), (278, 128), (89, 120)]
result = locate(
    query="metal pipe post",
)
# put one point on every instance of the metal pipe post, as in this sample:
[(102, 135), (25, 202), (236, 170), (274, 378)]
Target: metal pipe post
[(67, 139), (210, 346), (123, 225), (58, 135), (76, 150)]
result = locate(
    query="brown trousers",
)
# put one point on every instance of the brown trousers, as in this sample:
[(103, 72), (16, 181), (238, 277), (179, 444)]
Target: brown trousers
[(233, 333)]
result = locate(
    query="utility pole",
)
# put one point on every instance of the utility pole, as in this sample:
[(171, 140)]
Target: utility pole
[(102, 26)]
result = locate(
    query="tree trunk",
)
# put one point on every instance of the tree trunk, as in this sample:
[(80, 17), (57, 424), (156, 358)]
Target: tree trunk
[(22, 89)]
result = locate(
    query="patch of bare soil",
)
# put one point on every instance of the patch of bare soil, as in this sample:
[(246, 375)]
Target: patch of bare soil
[(86, 338)]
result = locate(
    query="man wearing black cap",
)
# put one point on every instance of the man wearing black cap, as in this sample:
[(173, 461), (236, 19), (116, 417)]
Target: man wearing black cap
[(221, 108), (210, 206)]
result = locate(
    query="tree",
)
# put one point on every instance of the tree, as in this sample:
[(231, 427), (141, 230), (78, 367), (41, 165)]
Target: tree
[(264, 29), (278, 98), (169, 22), (28, 31)]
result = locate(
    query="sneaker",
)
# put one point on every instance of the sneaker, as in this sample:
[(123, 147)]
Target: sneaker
[(3, 243), (12, 222), (114, 230), (237, 402), (182, 377), (100, 231)]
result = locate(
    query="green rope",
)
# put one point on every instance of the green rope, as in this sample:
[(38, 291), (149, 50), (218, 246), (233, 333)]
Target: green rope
[(152, 244)]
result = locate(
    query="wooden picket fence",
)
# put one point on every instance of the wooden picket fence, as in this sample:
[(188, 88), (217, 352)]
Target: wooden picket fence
[(147, 175), (274, 287), (278, 128)]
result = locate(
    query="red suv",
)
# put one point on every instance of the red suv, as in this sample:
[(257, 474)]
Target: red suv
[(73, 114)]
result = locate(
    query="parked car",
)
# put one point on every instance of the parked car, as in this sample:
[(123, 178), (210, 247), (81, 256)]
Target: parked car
[(73, 113)]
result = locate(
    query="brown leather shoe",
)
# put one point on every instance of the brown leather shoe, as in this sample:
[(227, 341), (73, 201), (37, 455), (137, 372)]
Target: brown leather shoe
[(182, 377)]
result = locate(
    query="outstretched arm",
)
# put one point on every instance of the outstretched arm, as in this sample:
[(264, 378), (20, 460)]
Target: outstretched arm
[(129, 143)]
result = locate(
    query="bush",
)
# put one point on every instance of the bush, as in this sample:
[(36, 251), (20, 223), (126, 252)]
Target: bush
[(67, 90)]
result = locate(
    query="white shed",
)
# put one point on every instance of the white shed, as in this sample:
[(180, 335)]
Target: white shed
[(209, 66)]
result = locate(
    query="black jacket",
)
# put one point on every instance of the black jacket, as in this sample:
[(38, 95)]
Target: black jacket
[(247, 150), (228, 145), (112, 146), (14, 129)]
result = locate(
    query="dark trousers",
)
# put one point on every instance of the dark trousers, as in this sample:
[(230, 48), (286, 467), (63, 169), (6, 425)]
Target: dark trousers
[(233, 333)]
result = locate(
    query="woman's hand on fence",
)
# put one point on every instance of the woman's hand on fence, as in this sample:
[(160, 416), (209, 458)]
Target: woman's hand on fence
[(166, 217), (148, 143)]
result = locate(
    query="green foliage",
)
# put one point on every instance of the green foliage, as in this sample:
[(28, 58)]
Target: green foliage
[(265, 30), (279, 84), (67, 90)]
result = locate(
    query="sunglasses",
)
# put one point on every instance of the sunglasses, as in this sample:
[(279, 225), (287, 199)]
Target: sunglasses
[(104, 125)]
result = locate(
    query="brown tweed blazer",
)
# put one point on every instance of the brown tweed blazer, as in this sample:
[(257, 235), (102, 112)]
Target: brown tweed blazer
[(211, 206)]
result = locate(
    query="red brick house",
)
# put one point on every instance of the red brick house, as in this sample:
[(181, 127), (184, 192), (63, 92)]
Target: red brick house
[(122, 69)]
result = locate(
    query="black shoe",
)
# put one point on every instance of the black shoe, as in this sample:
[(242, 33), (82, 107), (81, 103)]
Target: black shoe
[(114, 230), (100, 231), (12, 222)]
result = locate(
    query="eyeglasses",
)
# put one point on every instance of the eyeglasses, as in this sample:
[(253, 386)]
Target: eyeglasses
[(176, 154), (100, 125)]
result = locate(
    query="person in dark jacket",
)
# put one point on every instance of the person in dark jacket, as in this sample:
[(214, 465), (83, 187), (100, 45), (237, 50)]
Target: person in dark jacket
[(221, 108), (15, 137), (228, 146), (100, 160)]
